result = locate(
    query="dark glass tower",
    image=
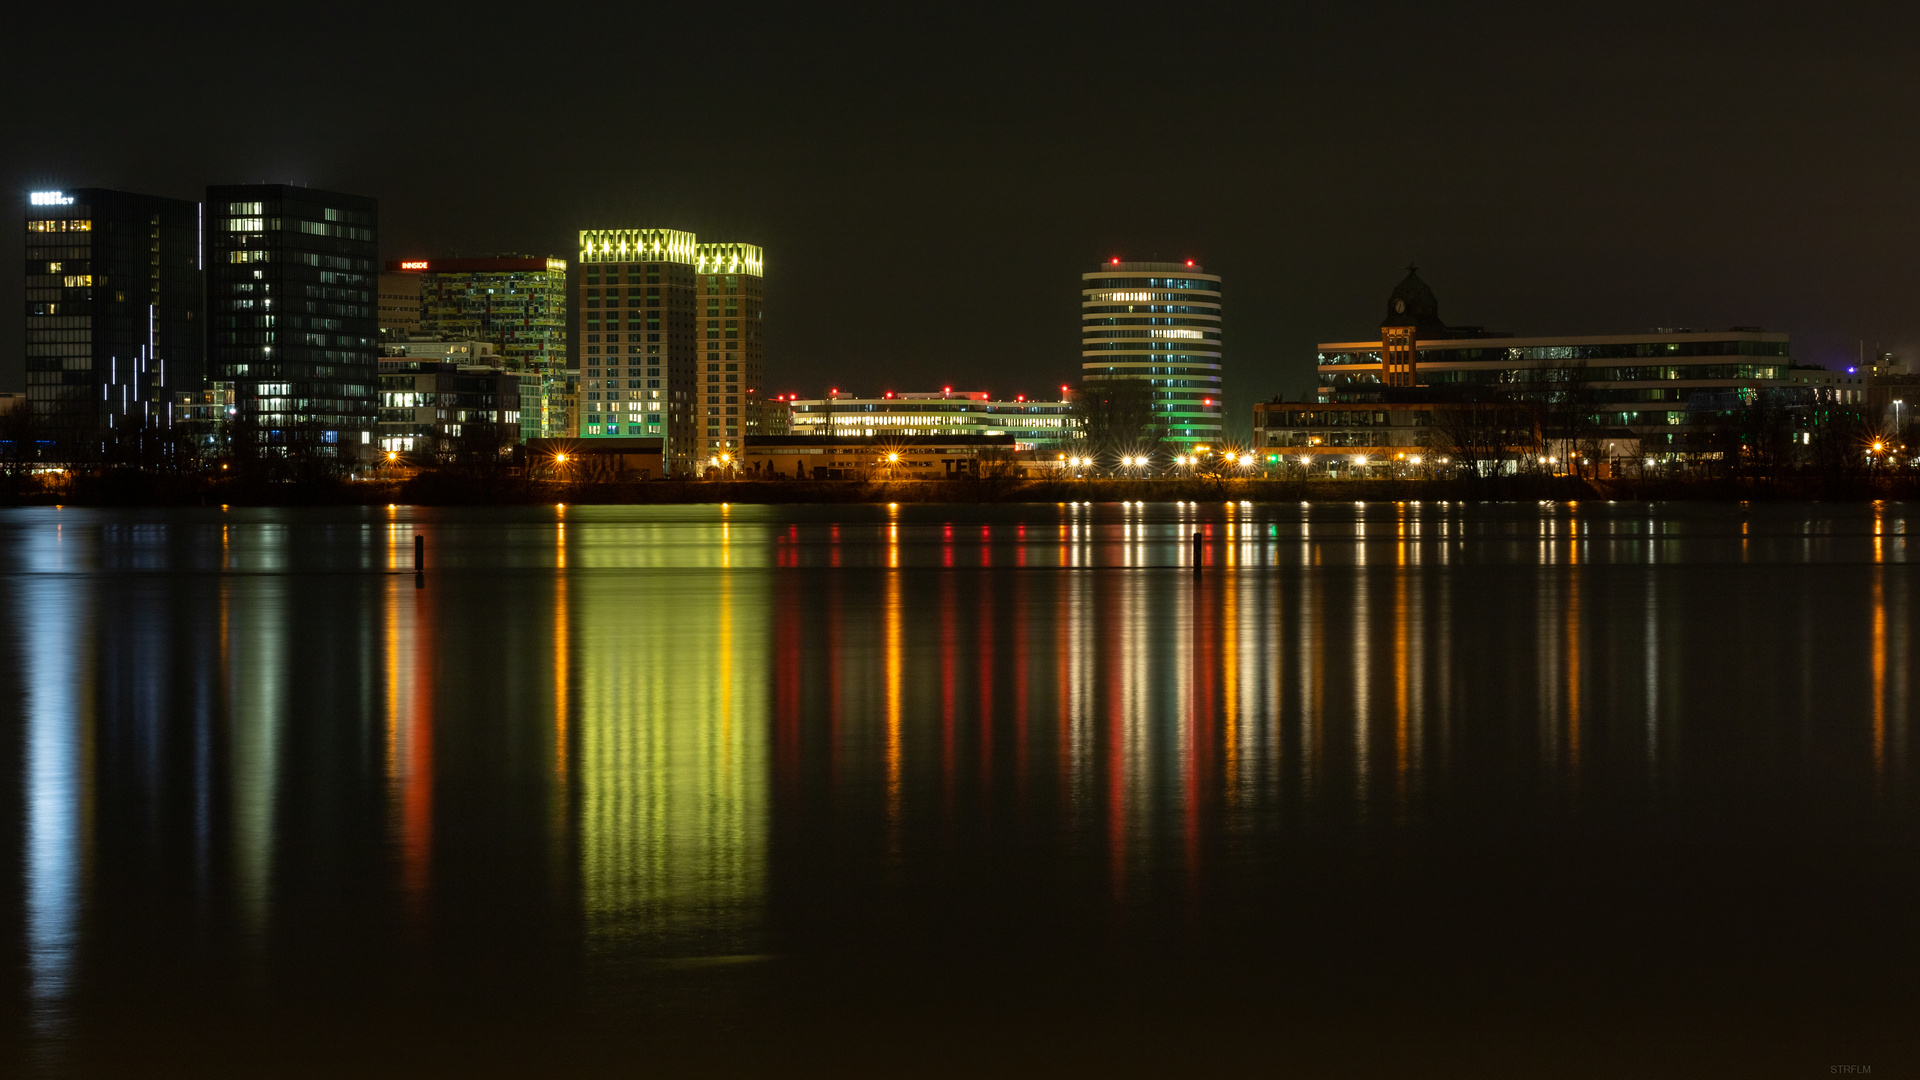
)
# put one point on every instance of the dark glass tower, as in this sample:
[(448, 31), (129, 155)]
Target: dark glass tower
[(291, 281), (113, 311)]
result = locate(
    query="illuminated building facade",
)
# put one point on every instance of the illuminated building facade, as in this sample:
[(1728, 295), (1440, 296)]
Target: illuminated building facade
[(517, 302), (1158, 322), (945, 412), (733, 364), (673, 342), (292, 301), (637, 315), (114, 314)]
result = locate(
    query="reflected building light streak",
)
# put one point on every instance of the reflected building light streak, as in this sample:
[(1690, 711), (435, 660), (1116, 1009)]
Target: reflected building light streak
[(1271, 662), (1194, 722), (894, 706), (1547, 659), (57, 779), (983, 648), (1444, 659), (1572, 623), (671, 763), (1402, 676), (409, 749), (949, 648), (258, 689), (1362, 697), (1878, 661), (1313, 681), (561, 797), (1022, 691), (1076, 669), (1897, 679), (1652, 663)]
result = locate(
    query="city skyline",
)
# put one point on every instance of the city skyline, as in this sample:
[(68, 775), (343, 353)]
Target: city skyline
[(1600, 181)]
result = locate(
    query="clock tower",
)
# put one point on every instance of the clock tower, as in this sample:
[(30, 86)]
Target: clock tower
[(1412, 313)]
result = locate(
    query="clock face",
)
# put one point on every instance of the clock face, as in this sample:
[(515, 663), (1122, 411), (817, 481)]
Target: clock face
[(1399, 307)]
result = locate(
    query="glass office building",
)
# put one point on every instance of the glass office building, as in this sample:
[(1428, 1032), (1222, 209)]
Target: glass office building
[(291, 283), (1158, 322), (114, 311), (518, 302)]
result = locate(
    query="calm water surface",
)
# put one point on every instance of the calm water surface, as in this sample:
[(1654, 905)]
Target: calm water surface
[(1393, 789)]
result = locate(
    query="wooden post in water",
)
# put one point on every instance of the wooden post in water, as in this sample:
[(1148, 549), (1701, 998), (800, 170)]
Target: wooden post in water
[(1196, 554), (419, 554)]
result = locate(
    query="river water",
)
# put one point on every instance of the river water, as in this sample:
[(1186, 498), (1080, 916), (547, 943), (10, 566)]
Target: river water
[(1385, 789)]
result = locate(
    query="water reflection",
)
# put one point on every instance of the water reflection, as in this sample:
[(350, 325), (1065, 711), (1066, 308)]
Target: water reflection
[(672, 743), (58, 776), (710, 729)]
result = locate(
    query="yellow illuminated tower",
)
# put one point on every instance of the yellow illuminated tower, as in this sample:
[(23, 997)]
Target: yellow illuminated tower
[(638, 347), (733, 362), (672, 342)]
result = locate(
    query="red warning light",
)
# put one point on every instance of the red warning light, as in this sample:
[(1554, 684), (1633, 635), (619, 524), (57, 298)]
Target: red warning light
[(1189, 262), (1116, 262)]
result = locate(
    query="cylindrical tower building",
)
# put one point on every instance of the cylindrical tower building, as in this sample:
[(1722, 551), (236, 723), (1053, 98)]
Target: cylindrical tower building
[(1158, 322)]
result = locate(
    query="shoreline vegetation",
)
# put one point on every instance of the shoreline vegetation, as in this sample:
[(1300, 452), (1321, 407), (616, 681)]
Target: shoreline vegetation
[(133, 488)]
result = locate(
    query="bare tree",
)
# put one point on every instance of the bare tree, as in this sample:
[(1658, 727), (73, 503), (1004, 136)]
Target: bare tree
[(1117, 416)]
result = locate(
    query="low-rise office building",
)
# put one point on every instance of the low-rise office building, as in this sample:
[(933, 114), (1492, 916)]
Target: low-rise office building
[(1370, 437), (437, 407), (597, 460), (937, 413), (848, 456), (1641, 386)]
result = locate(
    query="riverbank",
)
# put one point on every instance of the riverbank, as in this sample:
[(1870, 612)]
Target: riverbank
[(453, 489)]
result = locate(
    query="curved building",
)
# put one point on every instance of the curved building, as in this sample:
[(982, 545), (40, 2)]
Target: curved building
[(1158, 322)]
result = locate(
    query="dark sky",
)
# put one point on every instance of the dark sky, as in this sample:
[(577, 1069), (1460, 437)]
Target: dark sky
[(929, 181)]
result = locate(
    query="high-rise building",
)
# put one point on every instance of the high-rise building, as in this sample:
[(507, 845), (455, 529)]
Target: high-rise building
[(1158, 322), (518, 302), (291, 288), (728, 397), (114, 309), (661, 315)]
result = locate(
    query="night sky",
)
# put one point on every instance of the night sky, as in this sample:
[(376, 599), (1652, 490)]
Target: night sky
[(929, 181)]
